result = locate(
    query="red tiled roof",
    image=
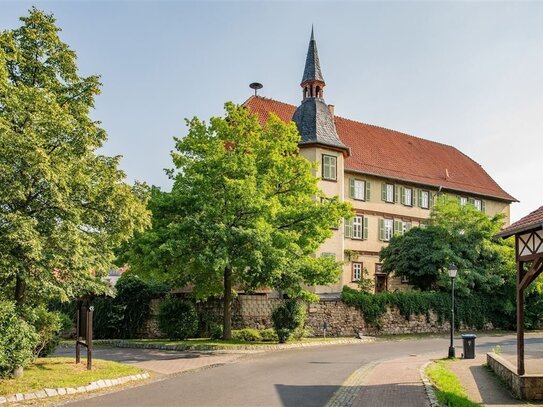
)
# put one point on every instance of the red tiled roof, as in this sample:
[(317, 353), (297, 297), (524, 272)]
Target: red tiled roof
[(534, 220), (388, 153)]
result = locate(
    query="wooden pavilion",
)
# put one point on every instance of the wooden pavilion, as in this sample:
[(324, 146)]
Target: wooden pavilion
[(528, 233)]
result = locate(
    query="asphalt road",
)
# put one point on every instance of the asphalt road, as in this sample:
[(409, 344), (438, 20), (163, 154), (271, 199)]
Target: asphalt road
[(298, 378)]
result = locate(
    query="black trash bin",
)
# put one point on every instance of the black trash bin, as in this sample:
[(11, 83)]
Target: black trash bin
[(469, 345)]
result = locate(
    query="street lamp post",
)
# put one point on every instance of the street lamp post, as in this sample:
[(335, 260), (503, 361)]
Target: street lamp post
[(452, 274)]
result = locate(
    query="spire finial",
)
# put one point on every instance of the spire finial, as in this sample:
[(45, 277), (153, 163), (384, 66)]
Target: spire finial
[(312, 80)]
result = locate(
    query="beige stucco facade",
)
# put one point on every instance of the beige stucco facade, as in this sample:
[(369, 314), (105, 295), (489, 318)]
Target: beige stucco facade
[(374, 211)]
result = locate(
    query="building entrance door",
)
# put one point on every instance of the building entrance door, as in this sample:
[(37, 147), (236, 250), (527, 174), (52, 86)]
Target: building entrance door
[(381, 283)]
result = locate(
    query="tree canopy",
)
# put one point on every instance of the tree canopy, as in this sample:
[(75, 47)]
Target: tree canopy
[(244, 212), (456, 234), (64, 208)]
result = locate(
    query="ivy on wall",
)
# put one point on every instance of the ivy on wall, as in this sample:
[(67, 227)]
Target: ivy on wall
[(473, 311)]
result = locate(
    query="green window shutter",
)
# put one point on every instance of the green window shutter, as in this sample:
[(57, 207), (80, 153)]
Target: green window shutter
[(383, 191), (397, 226), (348, 227), (365, 228), (409, 226), (402, 194), (396, 194), (483, 206), (381, 229), (368, 190), (420, 198), (351, 187), (430, 199), (414, 197), (459, 198)]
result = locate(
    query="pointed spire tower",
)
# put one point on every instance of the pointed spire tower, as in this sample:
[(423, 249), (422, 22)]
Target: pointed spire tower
[(313, 117)]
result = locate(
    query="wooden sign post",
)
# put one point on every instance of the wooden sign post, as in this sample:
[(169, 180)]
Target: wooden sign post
[(85, 311)]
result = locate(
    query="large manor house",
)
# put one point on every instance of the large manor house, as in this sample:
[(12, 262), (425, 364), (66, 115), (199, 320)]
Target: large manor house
[(390, 178)]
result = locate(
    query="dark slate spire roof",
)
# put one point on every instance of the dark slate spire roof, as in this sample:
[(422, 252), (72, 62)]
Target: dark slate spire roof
[(312, 71), (313, 117), (316, 124)]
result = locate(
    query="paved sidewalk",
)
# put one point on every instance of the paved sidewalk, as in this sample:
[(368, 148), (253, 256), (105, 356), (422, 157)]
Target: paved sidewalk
[(391, 383), (160, 361), (481, 385), (394, 383)]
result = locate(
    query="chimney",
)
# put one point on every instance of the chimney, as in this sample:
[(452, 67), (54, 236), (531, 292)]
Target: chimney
[(331, 108)]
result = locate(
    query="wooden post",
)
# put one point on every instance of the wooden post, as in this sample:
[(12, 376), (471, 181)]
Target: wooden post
[(520, 311), (77, 344), (90, 312)]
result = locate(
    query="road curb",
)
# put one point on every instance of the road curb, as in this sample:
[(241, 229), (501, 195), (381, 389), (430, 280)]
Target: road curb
[(61, 391), (428, 387), (120, 343)]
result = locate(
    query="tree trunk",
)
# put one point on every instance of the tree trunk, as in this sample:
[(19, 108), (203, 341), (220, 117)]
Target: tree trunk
[(20, 290), (227, 311)]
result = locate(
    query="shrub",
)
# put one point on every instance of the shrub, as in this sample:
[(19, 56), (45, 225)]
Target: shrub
[(108, 319), (287, 318), (215, 331), (247, 335), (17, 340), (68, 326), (48, 325), (208, 322), (268, 335), (133, 299), (125, 315), (177, 319)]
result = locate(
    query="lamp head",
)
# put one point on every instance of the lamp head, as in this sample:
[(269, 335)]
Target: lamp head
[(452, 270)]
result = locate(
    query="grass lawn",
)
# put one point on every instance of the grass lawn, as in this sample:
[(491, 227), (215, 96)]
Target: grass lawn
[(220, 342), (448, 389), (55, 372)]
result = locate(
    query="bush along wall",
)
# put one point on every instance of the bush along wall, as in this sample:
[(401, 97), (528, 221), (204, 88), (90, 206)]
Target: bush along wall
[(125, 315), (475, 311)]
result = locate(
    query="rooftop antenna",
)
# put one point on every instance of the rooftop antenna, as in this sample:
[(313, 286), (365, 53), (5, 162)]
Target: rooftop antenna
[(256, 86)]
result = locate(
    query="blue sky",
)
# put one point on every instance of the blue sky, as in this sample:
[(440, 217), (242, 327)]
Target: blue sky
[(465, 74)]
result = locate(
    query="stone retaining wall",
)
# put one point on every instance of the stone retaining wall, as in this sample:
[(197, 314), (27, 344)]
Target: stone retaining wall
[(526, 387), (254, 311)]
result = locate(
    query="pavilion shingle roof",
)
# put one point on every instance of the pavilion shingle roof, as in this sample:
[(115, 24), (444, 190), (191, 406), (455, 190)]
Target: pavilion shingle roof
[(533, 220), (391, 154)]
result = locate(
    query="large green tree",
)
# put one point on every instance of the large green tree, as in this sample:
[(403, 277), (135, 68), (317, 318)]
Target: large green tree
[(456, 234), (244, 212), (63, 207)]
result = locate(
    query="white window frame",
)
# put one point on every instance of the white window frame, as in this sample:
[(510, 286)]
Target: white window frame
[(359, 189), (329, 167), (463, 200), (404, 227), (478, 204), (408, 197), (388, 226), (390, 193), (424, 199), (358, 227), (357, 271)]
